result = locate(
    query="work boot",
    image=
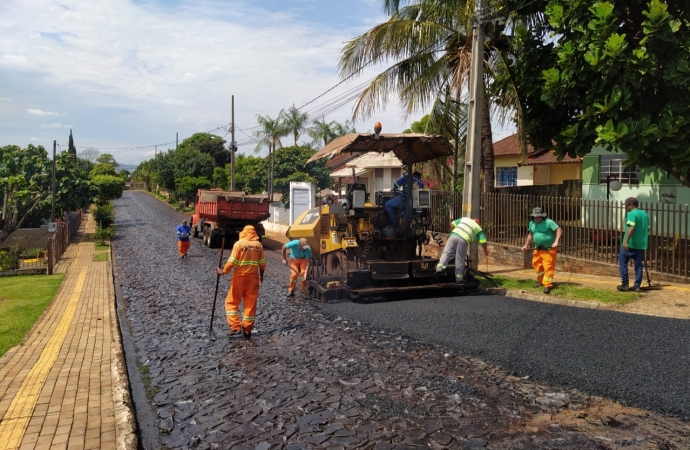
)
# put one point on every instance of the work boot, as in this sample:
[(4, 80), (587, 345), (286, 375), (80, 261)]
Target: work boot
[(623, 288), (291, 293), (247, 334), (234, 333), (547, 290), (636, 289)]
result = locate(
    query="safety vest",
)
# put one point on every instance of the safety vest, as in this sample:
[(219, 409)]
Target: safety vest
[(466, 229)]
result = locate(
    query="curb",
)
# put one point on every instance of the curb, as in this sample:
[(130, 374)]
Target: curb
[(127, 436), (524, 295)]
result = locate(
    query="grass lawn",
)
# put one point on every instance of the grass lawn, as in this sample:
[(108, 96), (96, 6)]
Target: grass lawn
[(178, 206), (565, 291), (103, 246), (22, 301), (100, 257)]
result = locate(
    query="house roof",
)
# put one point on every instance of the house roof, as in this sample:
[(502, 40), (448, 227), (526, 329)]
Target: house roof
[(340, 160), (510, 146), (411, 148), (547, 157), (347, 172), (367, 161)]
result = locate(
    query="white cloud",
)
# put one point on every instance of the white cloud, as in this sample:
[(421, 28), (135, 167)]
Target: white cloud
[(39, 112), (142, 71), (53, 125)]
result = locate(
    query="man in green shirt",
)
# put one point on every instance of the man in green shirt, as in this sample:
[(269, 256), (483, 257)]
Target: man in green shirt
[(546, 234), (635, 242)]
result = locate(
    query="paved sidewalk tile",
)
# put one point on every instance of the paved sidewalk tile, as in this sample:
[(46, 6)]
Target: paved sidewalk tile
[(70, 369)]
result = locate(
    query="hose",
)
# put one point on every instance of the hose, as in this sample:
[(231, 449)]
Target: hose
[(368, 244), (439, 240)]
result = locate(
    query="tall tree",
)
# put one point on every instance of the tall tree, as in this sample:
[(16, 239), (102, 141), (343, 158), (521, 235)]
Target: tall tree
[(90, 154), (210, 144), (107, 158), (321, 132), (609, 74), (71, 149), (430, 42), (294, 121), (23, 181), (269, 134)]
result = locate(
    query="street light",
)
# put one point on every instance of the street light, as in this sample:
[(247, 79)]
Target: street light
[(612, 185)]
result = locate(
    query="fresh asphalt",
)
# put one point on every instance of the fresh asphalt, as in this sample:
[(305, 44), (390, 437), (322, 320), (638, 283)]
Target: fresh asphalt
[(638, 360)]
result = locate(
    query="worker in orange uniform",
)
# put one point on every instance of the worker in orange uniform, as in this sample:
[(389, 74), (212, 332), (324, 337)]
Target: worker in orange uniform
[(546, 234), (247, 258), (183, 231), (300, 255)]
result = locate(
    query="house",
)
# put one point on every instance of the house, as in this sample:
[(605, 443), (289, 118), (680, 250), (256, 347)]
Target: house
[(648, 185), (541, 167), (377, 171)]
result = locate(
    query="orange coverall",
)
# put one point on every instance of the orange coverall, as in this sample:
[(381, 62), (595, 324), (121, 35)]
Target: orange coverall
[(544, 263), (247, 258), (300, 267), (183, 247)]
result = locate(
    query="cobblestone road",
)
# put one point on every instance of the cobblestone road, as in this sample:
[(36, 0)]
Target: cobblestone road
[(309, 380)]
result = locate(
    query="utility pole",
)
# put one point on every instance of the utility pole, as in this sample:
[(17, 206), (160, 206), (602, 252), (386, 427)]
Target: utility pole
[(155, 151), (233, 147), (176, 140), (473, 154), (52, 206)]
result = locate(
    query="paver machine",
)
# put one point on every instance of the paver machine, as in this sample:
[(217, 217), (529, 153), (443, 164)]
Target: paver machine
[(358, 250)]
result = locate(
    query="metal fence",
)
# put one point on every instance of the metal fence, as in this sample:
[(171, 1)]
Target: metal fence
[(592, 229), (58, 241)]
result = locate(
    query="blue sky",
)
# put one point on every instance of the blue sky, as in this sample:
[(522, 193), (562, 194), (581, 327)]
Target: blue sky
[(124, 74)]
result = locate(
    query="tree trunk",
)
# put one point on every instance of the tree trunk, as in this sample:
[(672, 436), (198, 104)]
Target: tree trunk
[(487, 148)]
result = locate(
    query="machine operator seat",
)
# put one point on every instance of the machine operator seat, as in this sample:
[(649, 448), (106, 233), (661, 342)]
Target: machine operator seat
[(357, 197)]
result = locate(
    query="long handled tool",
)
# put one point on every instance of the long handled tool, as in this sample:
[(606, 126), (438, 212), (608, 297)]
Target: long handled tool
[(215, 296), (300, 277)]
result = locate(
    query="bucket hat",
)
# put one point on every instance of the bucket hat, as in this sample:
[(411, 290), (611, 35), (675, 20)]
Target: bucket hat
[(537, 212)]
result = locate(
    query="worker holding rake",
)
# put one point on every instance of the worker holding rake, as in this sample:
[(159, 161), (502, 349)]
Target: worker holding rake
[(183, 231), (545, 234), (247, 258)]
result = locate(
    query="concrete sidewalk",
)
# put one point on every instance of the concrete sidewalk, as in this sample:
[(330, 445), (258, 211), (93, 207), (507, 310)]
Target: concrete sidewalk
[(66, 385)]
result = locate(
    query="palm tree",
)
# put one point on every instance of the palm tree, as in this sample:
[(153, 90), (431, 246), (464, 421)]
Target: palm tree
[(321, 131), (269, 136), (431, 42), (294, 121)]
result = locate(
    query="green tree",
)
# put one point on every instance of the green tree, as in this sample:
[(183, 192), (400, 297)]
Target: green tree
[(144, 173), (221, 178), (71, 149), (188, 186), (162, 171), (103, 169), (250, 173), (107, 158), (124, 174), (430, 44), (85, 165), (193, 163), (269, 134), (210, 144), (23, 181), (294, 121), (616, 75), (106, 187), (321, 132)]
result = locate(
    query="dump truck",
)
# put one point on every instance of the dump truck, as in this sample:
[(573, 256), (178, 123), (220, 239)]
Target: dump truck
[(358, 251), (222, 214)]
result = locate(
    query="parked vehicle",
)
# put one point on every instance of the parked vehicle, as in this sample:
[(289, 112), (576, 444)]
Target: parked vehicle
[(222, 214)]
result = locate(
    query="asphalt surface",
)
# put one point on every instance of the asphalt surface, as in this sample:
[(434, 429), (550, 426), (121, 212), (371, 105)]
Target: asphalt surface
[(381, 375), (638, 360)]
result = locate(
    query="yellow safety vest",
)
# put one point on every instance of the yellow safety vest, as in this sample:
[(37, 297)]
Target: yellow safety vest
[(466, 229)]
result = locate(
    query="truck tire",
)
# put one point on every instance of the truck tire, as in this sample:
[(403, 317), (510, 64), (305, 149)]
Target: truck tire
[(212, 240), (204, 238), (195, 233)]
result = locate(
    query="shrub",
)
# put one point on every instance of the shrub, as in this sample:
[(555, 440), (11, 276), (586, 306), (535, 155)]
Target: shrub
[(104, 234), (8, 261), (106, 187), (104, 215)]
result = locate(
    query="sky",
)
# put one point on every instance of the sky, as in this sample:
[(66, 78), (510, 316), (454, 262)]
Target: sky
[(128, 75)]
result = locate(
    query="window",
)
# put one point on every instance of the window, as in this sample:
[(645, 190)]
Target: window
[(506, 176), (615, 166), (378, 180)]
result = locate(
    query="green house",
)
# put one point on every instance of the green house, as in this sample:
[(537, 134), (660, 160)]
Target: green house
[(648, 185)]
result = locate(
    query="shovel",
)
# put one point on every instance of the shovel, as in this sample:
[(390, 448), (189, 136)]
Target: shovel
[(215, 296)]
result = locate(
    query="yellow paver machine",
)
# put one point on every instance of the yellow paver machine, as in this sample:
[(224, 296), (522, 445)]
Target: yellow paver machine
[(358, 250)]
